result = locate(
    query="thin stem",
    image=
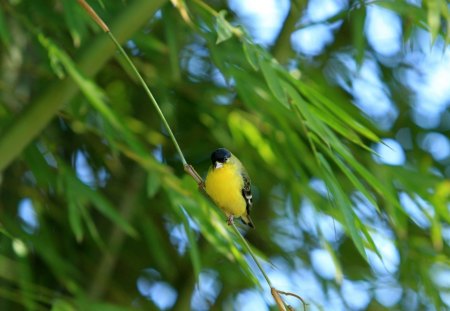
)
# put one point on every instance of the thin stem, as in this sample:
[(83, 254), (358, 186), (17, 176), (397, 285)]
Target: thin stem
[(94, 15), (150, 95), (244, 241), (294, 295), (278, 300)]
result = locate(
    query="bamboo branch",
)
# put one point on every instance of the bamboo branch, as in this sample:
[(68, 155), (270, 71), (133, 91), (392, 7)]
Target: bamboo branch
[(282, 47)]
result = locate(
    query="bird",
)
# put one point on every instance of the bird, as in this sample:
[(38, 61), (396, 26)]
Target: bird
[(229, 186)]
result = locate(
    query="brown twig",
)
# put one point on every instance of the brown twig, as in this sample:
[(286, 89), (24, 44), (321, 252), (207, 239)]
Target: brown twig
[(196, 176), (294, 295), (94, 15), (278, 300)]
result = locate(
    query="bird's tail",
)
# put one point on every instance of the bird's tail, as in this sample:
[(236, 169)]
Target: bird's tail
[(248, 221)]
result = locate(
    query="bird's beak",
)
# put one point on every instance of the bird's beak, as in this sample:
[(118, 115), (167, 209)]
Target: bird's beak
[(217, 165)]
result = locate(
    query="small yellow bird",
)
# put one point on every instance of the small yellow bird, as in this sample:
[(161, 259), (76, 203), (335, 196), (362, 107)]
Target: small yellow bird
[(228, 184)]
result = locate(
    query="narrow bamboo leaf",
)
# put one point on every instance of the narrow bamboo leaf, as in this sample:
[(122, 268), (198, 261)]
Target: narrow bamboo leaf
[(317, 98), (148, 44), (183, 9), (344, 205), (359, 41), (441, 198), (251, 54), (92, 228), (436, 233), (240, 126), (336, 124), (446, 14), (193, 248), (171, 29), (313, 122), (370, 243), (93, 93), (273, 81), (304, 108), (339, 275), (98, 201), (224, 29), (355, 181), (374, 182), (410, 10), (40, 168), (153, 184), (75, 220), (434, 17), (75, 21), (62, 305)]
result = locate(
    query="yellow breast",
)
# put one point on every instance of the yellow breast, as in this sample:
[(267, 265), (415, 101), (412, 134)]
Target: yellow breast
[(224, 186)]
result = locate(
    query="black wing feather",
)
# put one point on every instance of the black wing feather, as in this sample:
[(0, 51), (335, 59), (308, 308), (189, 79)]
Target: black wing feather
[(247, 193)]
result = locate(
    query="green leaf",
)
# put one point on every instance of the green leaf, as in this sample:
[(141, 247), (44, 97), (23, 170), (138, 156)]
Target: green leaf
[(358, 31), (374, 182), (83, 193), (153, 184), (339, 275), (312, 91), (62, 305), (336, 124), (75, 20), (273, 81), (434, 17), (193, 247), (75, 220), (342, 202), (251, 53), (224, 29), (436, 233), (354, 180)]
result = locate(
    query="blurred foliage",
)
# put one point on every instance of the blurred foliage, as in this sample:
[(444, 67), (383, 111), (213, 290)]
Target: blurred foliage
[(97, 214)]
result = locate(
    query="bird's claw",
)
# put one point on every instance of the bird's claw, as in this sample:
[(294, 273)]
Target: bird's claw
[(230, 220)]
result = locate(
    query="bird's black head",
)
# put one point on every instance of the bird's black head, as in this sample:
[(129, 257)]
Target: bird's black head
[(220, 155)]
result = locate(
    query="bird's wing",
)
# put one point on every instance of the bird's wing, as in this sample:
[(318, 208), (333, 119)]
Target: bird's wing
[(247, 191)]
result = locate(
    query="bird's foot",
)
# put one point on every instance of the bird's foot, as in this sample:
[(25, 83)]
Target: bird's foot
[(230, 220)]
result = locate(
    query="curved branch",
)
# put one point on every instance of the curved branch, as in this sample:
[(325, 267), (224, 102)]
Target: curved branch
[(282, 49)]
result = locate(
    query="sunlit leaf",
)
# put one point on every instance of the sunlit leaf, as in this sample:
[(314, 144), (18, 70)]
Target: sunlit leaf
[(224, 29)]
